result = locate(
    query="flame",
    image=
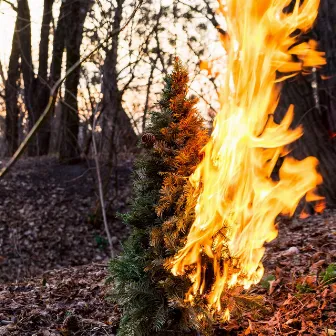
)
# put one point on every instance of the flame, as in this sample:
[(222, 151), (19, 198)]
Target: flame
[(332, 135), (238, 199), (318, 208), (304, 214)]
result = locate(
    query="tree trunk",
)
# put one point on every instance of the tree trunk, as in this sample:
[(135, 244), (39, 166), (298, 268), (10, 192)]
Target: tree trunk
[(315, 106), (44, 41), (315, 140), (11, 94), (55, 74), (40, 88), (325, 32), (70, 119), (58, 45), (117, 128), (27, 68)]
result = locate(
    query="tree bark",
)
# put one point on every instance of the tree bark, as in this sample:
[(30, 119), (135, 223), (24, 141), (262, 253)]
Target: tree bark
[(40, 88), (77, 11), (117, 128), (315, 140), (27, 69), (58, 45), (11, 94), (44, 41), (54, 76)]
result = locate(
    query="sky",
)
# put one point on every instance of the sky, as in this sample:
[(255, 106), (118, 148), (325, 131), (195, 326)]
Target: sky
[(7, 22)]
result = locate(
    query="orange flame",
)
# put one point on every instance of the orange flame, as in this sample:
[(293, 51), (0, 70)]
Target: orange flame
[(332, 135), (304, 214), (238, 200), (318, 208)]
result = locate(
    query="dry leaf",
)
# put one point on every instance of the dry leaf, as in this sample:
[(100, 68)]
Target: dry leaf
[(273, 285), (317, 265), (291, 251)]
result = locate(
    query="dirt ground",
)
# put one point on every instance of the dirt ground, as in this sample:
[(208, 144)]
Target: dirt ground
[(47, 216), (298, 290)]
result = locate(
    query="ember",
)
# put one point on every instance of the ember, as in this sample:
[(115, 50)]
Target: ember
[(239, 201)]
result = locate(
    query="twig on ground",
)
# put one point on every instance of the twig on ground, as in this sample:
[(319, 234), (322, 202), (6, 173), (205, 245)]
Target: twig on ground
[(100, 184), (4, 322)]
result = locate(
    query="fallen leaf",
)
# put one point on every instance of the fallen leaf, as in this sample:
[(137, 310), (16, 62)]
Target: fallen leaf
[(273, 285), (291, 251), (313, 304), (317, 265), (249, 329)]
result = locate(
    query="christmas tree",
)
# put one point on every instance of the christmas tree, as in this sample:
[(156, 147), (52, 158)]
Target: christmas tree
[(152, 299)]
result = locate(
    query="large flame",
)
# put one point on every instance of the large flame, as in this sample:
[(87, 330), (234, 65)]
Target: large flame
[(239, 201)]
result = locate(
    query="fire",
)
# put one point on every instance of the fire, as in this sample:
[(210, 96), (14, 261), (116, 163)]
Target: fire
[(332, 135), (318, 208), (238, 200)]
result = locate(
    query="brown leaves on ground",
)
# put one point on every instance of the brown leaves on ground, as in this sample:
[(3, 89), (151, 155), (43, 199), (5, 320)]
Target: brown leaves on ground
[(299, 297), (63, 302), (46, 217), (72, 301)]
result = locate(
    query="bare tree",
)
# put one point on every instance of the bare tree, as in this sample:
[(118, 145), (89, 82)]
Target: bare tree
[(117, 128), (27, 69), (40, 86), (76, 12), (131, 63), (11, 93)]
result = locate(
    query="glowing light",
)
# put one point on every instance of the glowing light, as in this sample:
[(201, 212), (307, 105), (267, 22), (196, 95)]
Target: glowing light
[(238, 200)]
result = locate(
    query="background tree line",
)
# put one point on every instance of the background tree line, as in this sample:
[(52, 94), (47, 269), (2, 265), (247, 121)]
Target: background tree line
[(122, 77)]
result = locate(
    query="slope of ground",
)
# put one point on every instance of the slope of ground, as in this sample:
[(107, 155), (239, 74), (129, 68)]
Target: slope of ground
[(64, 302), (45, 216), (46, 230), (299, 299), (299, 295)]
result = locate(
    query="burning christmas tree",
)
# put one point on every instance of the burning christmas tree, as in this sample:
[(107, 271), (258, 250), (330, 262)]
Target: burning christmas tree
[(162, 212), (204, 207)]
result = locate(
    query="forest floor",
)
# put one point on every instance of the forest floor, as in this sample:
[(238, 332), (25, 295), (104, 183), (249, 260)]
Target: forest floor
[(46, 232), (47, 216)]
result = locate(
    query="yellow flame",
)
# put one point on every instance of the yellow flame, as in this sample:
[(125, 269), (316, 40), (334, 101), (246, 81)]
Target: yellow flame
[(239, 201)]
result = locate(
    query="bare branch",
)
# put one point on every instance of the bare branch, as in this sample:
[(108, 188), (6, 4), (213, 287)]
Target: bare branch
[(149, 84), (210, 15), (2, 75), (10, 4), (100, 183), (53, 94)]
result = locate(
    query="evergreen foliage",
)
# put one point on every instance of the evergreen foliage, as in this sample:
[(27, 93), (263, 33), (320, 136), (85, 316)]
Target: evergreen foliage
[(162, 211)]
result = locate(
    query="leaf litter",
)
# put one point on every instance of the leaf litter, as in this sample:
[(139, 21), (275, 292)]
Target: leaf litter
[(61, 298)]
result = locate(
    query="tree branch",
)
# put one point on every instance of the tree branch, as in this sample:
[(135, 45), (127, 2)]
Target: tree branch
[(10, 4), (53, 93), (210, 15), (100, 183)]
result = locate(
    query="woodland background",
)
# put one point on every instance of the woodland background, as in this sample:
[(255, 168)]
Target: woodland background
[(50, 206), (109, 96), (122, 77)]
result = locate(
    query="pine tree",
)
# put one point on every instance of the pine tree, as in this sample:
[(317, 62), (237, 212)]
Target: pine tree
[(162, 211)]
